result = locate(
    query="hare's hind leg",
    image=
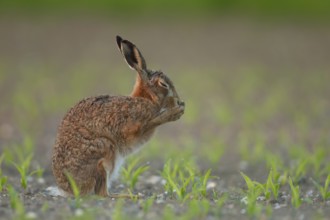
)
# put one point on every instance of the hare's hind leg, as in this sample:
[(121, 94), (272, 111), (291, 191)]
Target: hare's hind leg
[(108, 171), (105, 169), (100, 185)]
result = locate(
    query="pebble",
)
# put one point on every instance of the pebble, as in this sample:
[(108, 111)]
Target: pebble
[(278, 206), (153, 179), (244, 200), (163, 182), (309, 193), (54, 191), (140, 195), (211, 185), (261, 198), (31, 215), (78, 212), (301, 217), (160, 199), (230, 206), (41, 180), (30, 179)]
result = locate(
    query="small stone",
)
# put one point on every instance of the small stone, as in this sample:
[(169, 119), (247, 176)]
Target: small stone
[(301, 217), (277, 206), (244, 200), (243, 211), (160, 198), (30, 179), (54, 191), (211, 185), (31, 215), (78, 212), (309, 193), (153, 180), (163, 182), (261, 198), (41, 180)]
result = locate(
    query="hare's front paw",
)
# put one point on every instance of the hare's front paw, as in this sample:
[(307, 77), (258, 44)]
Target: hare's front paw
[(175, 113), (166, 115)]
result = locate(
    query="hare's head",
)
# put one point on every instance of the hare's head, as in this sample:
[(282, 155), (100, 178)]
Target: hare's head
[(153, 85)]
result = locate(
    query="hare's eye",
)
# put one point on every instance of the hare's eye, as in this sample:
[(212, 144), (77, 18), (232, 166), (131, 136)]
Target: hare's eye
[(163, 84)]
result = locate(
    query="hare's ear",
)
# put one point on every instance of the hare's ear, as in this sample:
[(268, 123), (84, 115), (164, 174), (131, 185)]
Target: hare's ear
[(132, 56)]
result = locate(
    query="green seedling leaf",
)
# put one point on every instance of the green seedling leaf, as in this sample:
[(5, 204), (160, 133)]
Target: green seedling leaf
[(168, 213), (136, 175), (262, 188), (221, 201), (3, 179), (198, 209), (295, 194), (248, 181), (3, 182), (270, 186), (39, 172), (132, 196), (147, 204), (23, 169), (131, 173), (118, 210), (205, 179), (324, 190), (15, 202), (2, 157), (73, 184), (301, 169)]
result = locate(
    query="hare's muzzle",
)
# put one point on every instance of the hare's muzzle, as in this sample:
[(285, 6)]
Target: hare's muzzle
[(181, 103)]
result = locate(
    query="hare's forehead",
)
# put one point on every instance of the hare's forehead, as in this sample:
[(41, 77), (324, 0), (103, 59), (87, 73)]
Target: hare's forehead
[(155, 74), (160, 75)]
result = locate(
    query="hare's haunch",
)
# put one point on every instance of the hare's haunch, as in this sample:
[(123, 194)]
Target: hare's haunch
[(97, 134)]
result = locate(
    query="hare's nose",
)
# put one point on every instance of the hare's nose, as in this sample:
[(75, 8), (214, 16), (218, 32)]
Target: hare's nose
[(180, 103)]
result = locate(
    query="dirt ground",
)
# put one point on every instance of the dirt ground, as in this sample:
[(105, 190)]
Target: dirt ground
[(226, 45)]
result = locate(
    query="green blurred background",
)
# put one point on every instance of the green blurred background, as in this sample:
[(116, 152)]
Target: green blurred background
[(287, 8), (246, 69)]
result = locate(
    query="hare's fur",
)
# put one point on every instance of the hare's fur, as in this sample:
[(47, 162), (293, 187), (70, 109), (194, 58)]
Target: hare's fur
[(97, 134)]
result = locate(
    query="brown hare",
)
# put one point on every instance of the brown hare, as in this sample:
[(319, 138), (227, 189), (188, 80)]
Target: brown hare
[(97, 134)]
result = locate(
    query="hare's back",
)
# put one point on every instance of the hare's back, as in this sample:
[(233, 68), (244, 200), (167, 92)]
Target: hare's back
[(110, 110)]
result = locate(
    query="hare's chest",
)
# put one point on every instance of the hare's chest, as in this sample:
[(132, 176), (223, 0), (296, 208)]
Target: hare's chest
[(136, 133), (119, 161)]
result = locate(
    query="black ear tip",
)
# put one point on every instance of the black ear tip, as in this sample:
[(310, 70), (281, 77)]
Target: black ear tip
[(119, 40)]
